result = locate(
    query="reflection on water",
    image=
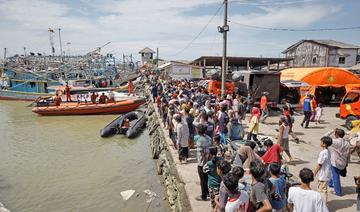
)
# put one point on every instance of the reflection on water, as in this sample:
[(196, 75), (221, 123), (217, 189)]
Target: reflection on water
[(61, 164)]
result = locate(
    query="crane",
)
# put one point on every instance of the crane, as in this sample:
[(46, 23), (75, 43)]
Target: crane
[(51, 38)]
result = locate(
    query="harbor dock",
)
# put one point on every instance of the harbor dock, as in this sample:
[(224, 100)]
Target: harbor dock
[(305, 154)]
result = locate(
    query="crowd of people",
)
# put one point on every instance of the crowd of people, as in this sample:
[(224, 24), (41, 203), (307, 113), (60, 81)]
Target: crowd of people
[(238, 169)]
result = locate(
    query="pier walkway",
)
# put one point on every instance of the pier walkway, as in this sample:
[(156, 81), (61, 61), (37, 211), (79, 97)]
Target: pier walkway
[(305, 154)]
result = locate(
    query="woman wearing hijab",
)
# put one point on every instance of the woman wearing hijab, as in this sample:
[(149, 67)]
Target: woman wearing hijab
[(254, 124)]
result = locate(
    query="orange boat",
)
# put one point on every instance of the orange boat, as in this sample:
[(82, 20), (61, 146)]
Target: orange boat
[(73, 108)]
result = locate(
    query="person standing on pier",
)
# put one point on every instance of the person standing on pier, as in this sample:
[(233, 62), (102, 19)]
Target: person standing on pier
[(303, 198), (223, 121), (339, 158), (182, 139), (67, 91), (308, 109), (203, 142), (264, 107), (254, 124), (154, 91)]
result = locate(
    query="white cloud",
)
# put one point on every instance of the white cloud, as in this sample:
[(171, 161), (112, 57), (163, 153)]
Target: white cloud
[(130, 25), (294, 17)]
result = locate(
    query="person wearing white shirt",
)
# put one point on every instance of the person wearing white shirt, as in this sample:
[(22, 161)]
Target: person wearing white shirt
[(302, 198), (323, 167), (238, 200), (340, 156)]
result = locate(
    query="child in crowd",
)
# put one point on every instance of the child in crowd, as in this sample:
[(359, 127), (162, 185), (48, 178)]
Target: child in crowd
[(218, 145), (214, 179), (278, 198), (170, 125), (254, 124), (283, 137), (222, 168), (318, 113), (238, 200), (323, 167), (302, 198), (258, 197)]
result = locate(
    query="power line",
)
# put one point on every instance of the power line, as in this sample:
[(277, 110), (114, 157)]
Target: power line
[(201, 31), (274, 3), (296, 30)]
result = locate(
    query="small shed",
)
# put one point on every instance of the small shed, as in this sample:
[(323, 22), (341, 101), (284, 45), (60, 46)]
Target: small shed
[(146, 55)]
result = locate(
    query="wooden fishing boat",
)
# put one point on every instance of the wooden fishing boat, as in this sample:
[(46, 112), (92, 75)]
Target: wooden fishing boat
[(73, 108)]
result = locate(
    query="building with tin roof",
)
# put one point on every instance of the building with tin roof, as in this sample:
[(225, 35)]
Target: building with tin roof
[(322, 53)]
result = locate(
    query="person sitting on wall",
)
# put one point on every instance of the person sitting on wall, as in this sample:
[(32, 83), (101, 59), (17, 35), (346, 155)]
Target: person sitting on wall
[(103, 99)]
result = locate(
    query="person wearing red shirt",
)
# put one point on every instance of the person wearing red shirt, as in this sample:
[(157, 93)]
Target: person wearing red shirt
[(67, 91), (264, 107), (273, 153), (131, 87)]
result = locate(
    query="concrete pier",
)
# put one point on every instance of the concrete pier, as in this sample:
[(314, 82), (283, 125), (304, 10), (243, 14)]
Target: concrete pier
[(182, 182), (305, 154)]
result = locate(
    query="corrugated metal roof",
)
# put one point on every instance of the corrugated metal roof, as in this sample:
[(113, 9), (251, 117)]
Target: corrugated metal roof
[(328, 43), (239, 61), (337, 44)]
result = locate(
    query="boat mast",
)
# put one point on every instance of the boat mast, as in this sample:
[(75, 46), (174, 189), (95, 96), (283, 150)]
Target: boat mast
[(61, 52)]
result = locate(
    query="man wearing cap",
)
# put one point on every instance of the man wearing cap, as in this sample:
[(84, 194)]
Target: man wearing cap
[(264, 107)]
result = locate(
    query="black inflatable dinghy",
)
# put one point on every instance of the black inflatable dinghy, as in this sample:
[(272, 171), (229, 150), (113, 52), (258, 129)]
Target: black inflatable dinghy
[(136, 121)]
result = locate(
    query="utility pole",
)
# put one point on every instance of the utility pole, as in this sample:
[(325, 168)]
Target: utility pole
[(61, 52), (224, 29), (157, 57), (4, 53)]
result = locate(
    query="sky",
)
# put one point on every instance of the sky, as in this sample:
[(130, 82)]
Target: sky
[(171, 26)]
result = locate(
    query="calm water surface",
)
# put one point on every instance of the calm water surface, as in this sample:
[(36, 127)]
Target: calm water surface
[(61, 164)]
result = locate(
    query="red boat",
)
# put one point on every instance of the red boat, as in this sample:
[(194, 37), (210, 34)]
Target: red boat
[(73, 108)]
